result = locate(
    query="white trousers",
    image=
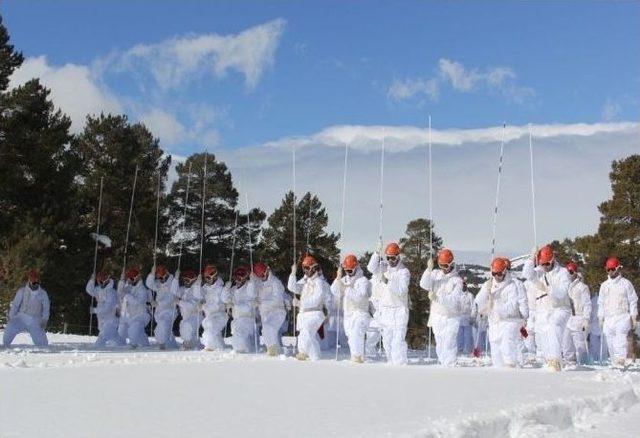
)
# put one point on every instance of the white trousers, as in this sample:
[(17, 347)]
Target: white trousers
[(374, 335), (133, 329), (213, 324), (394, 331), (504, 337), (554, 333), (108, 331), (164, 327), (25, 323), (271, 323), (574, 346), (615, 332), (243, 334), (355, 327), (445, 331), (190, 328), (308, 324)]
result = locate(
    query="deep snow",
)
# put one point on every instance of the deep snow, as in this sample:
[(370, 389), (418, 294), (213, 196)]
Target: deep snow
[(71, 390)]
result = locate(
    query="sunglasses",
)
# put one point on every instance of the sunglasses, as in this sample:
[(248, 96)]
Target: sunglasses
[(392, 258), (211, 277), (498, 274), (572, 272), (349, 271), (309, 268), (612, 269), (444, 266), (546, 264)]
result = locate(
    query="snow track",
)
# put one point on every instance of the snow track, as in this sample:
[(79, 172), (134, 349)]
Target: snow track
[(71, 390)]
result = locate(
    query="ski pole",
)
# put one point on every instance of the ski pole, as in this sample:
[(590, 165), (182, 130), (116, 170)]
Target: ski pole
[(95, 253), (155, 250), (295, 243), (233, 254), (533, 192), (255, 323), (202, 231), (430, 195), (344, 199), (126, 240), (184, 215)]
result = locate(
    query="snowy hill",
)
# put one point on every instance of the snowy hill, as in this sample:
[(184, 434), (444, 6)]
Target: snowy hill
[(71, 390)]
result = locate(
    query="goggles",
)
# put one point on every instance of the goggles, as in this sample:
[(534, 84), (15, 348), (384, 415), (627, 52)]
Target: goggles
[(349, 271), (613, 269), (499, 274), (445, 266), (392, 258)]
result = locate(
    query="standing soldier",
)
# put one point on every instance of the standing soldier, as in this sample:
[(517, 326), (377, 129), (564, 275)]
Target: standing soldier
[(271, 303), (315, 294), (552, 282), (445, 293), (100, 286), (241, 294), (159, 281), (353, 290), (134, 315), (391, 285), (29, 312), (617, 311), (574, 345), (215, 313), (186, 287)]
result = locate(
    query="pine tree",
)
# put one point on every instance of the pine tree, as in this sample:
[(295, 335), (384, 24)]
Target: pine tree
[(9, 58), (221, 205), (416, 250), (312, 238)]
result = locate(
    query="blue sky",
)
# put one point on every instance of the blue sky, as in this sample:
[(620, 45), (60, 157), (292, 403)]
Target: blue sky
[(268, 71)]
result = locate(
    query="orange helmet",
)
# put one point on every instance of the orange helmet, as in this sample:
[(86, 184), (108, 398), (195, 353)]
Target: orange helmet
[(309, 261), (545, 255), (445, 256), (102, 276), (132, 274), (241, 271), (210, 271), (612, 263), (260, 269), (33, 276), (392, 249), (499, 265), (572, 267), (161, 271), (350, 262)]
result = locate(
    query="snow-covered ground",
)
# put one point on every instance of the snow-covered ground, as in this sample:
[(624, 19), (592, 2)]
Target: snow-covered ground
[(72, 390)]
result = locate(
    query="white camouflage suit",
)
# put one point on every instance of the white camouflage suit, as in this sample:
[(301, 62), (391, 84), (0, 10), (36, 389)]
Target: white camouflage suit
[(243, 326), (215, 315), (315, 294), (574, 344), (271, 304), (553, 287), (618, 309), (354, 292), (134, 315), (165, 311), (189, 299), (28, 312), (106, 305), (391, 286), (445, 295), (505, 303)]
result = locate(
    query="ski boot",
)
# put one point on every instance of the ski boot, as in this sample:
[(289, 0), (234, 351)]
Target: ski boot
[(302, 356), (554, 365), (272, 350), (357, 359)]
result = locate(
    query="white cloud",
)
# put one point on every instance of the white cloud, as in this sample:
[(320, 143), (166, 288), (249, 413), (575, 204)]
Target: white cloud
[(494, 79), (73, 88), (171, 132), (611, 110), (164, 125), (465, 166), (175, 61)]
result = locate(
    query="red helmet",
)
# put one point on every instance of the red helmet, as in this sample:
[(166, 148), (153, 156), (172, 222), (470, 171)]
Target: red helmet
[(309, 261), (132, 274), (499, 265), (102, 276), (572, 267), (161, 271), (350, 262), (545, 255), (189, 274), (241, 272), (210, 271), (260, 269), (33, 276), (445, 256), (392, 249), (612, 263)]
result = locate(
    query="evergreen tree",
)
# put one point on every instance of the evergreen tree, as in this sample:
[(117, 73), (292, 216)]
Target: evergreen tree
[(416, 250), (222, 203), (9, 59), (312, 237)]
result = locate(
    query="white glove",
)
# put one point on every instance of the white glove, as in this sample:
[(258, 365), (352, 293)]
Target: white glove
[(339, 273), (379, 248), (228, 284), (432, 295), (92, 310), (177, 274), (294, 268), (634, 323), (93, 277), (430, 264)]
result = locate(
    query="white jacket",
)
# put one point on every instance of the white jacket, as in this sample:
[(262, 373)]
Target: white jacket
[(270, 294), (165, 300), (213, 297), (134, 299), (581, 299), (106, 298), (30, 302), (395, 292), (445, 292), (554, 283), (617, 297), (502, 301), (314, 292), (242, 299), (355, 292), (189, 298)]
